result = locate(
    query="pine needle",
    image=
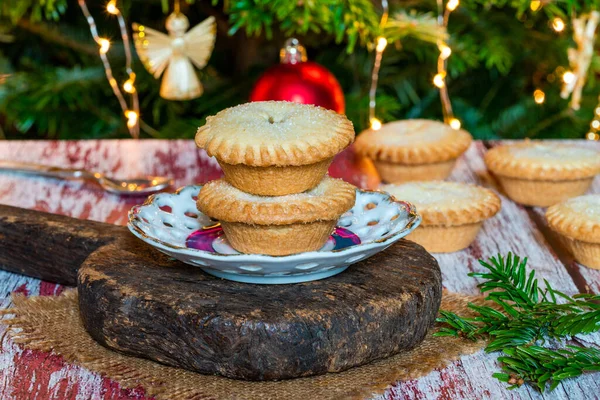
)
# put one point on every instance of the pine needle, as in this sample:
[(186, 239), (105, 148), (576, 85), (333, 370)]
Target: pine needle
[(523, 317)]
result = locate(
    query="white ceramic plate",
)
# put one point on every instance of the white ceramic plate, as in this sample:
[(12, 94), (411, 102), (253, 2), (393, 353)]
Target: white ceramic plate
[(171, 223)]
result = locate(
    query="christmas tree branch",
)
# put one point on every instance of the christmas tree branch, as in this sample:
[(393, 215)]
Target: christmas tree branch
[(521, 316), (55, 36)]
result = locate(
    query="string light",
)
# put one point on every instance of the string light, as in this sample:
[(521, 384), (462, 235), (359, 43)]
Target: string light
[(535, 5), (128, 85), (568, 77), (439, 80), (132, 118), (451, 5), (558, 24), (455, 123), (375, 124), (104, 45), (445, 51), (539, 96), (131, 112), (593, 134), (380, 46), (111, 7)]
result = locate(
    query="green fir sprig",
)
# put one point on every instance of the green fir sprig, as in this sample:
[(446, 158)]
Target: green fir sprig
[(520, 320)]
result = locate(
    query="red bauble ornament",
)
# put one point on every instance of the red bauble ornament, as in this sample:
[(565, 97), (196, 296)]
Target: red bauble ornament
[(298, 80)]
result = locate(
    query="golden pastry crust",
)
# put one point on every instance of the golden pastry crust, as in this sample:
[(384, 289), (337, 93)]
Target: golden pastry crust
[(577, 218), (536, 160), (276, 133), (413, 141), (447, 203), (325, 202)]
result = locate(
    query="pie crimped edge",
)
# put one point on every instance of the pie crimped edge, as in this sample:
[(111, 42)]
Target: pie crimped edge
[(567, 222), (308, 147), (501, 161), (485, 205), (327, 201), (451, 146)]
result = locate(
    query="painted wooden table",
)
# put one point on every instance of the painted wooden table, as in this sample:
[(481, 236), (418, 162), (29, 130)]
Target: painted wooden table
[(26, 374)]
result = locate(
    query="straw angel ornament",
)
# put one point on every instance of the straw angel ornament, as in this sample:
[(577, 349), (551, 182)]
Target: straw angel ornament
[(174, 54)]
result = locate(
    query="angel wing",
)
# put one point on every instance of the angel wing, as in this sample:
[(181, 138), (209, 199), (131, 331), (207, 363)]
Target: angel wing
[(153, 48), (200, 40)]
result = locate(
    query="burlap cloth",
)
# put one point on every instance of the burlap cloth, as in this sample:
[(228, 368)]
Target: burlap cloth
[(53, 324)]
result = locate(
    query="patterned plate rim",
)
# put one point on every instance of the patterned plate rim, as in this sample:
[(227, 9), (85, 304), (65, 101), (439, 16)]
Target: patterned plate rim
[(414, 219)]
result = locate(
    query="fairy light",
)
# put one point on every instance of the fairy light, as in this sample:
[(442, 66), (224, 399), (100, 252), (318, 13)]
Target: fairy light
[(445, 51), (451, 5), (129, 84), (455, 123), (594, 133), (104, 45), (535, 5), (132, 118), (558, 24), (380, 46), (375, 124), (131, 111), (111, 7), (539, 96), (568, 77), (439, 79)]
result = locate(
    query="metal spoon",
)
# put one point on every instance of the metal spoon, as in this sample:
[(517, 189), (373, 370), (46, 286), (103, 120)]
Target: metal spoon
[(135, 186)]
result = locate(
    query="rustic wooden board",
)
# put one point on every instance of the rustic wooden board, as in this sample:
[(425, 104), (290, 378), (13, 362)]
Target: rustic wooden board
[(469, 378), (147, 305)]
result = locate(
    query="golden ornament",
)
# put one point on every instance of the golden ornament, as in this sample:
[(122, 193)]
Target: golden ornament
[(174, 54)]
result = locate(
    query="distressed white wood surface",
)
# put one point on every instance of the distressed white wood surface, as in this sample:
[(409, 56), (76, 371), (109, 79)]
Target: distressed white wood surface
[(35, 375)]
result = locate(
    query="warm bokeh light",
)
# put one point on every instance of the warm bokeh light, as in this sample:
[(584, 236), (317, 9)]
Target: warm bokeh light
[(568, 77), (132, 118), (381, 43), (539, 96), (535, 5), (445, 51), (375, 124), (558, 24), (128, 85), (452, 4), (455, 123), (111, 7), (104, 45), (592, 136), (438, 80), (595, 124)]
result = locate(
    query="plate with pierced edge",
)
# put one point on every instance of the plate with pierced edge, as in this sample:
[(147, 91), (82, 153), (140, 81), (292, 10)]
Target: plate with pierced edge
[(171, 223)]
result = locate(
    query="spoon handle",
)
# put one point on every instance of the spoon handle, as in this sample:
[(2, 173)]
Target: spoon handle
[(45, 170)]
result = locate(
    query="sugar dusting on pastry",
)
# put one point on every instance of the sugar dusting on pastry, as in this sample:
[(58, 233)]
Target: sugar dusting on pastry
[(554, 153), (586, 206), (447, 203), (265, 122), (411, 133), (434, 194)]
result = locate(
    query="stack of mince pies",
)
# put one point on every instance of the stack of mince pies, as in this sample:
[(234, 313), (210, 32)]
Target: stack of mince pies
[(275, 197), (413, 149)]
